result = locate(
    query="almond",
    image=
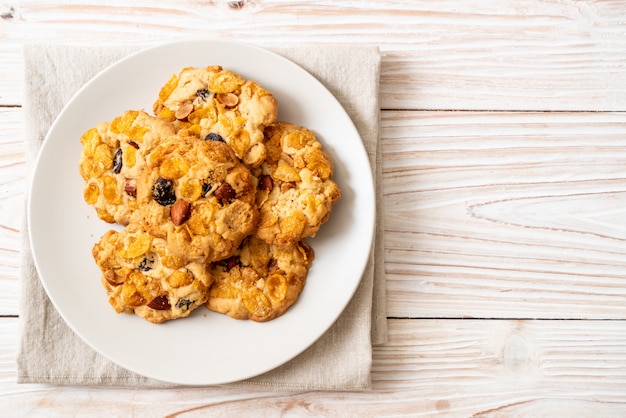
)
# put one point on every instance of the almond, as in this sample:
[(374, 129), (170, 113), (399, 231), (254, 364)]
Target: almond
[(130, 187), (229, 100), (286, 185), (111, 278), (225, 193), (180, 212), (183, 111), (266, 182)]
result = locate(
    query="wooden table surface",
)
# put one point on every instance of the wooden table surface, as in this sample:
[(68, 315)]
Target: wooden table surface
[(503, 128)]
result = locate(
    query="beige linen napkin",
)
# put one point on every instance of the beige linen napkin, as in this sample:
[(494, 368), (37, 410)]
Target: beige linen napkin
[(49, 352)]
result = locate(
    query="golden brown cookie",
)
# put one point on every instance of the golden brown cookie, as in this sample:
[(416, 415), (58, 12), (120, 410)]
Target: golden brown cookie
[(142, 277), (261, 281), (198, 196), (221, 105), (112, 158), (296, 192)]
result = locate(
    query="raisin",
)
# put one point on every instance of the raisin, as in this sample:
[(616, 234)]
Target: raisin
[(206, 188), (225, 193), (272, 265), (146, 264), (184, 304), (133, 144), (117, 161), (204, 94), (160, 303), (266, 182), (214, 137), (230, 263), (163, 192)]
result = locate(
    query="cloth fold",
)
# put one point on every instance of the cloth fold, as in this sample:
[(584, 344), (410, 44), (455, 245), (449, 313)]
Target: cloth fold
[(49, 352)]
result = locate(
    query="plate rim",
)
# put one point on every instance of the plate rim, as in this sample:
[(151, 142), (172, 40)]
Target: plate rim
[(370, 232)]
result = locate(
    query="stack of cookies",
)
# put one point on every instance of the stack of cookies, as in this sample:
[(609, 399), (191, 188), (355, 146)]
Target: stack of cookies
[(215, 196)]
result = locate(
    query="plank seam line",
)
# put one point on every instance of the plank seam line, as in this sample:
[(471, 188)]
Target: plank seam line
[(457, 318), (391, 109)]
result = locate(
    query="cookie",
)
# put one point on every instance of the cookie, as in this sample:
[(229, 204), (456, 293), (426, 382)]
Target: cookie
[(198, 196), (112, 157), (296, 192), (261, 281), (142, 277), (219, 104)]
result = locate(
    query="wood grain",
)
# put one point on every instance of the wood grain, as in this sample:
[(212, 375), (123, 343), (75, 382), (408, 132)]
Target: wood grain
[(498, 215), (455, 367), (12, 204), (489, 55)]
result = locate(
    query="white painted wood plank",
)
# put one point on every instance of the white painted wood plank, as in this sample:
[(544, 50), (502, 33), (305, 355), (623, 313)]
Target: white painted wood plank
[(456, 367), (12, 206), (516, 215), (490, 55)]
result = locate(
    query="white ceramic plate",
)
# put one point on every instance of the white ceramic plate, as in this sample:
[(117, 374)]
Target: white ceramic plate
[(205, 348)]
